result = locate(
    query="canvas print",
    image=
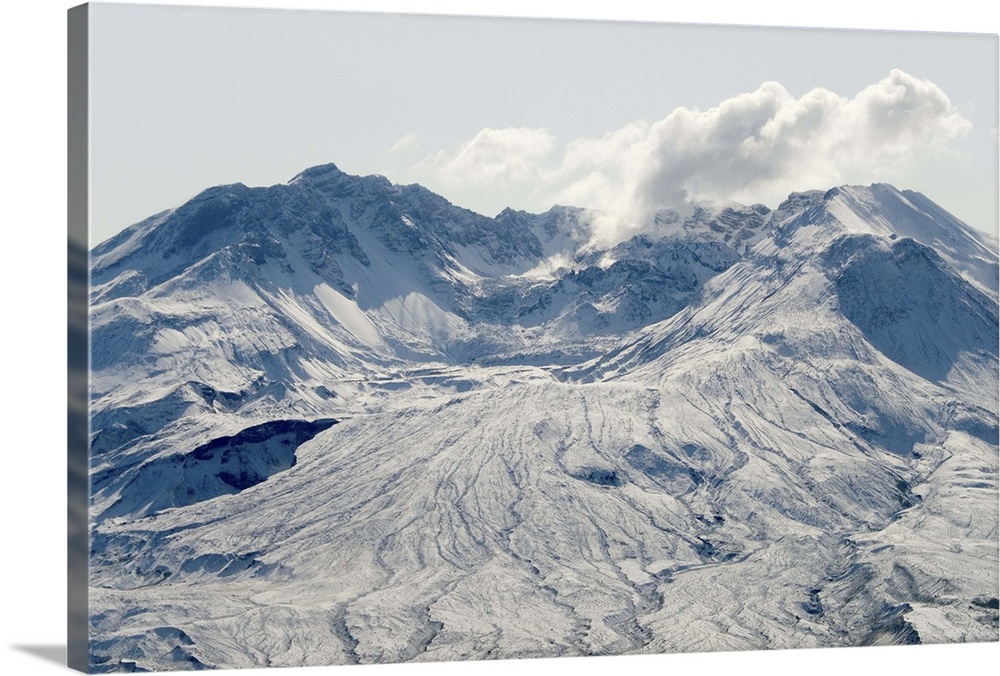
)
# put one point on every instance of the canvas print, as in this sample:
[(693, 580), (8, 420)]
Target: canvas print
[(427, 338)]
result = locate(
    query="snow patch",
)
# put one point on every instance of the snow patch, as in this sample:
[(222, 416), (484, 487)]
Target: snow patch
[(347, 313)]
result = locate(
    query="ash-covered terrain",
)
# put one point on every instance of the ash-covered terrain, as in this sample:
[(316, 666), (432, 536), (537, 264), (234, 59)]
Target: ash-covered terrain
[(344, 421)]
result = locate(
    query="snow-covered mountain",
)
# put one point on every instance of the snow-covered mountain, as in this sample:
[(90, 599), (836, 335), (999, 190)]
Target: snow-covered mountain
[(340, 420)]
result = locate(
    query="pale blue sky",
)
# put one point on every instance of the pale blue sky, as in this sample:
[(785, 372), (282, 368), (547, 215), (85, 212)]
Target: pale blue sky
[(184, 98)]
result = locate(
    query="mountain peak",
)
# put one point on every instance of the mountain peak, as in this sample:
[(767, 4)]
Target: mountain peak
[(884, 211), (318, 173), (330, 180)]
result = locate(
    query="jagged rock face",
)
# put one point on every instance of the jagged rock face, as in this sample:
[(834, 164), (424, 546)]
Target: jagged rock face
[(744, 429), (271, 294)]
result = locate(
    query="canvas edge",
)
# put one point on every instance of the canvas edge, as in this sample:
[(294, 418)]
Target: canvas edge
[(77, 413), (78, 343)]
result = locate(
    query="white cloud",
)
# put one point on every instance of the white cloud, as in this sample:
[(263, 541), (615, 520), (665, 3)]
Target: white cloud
[(755, 147), (506, 156), (406, 142)]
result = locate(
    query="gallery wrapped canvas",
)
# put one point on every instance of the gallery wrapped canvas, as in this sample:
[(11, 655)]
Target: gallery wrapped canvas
[(423, 338)]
